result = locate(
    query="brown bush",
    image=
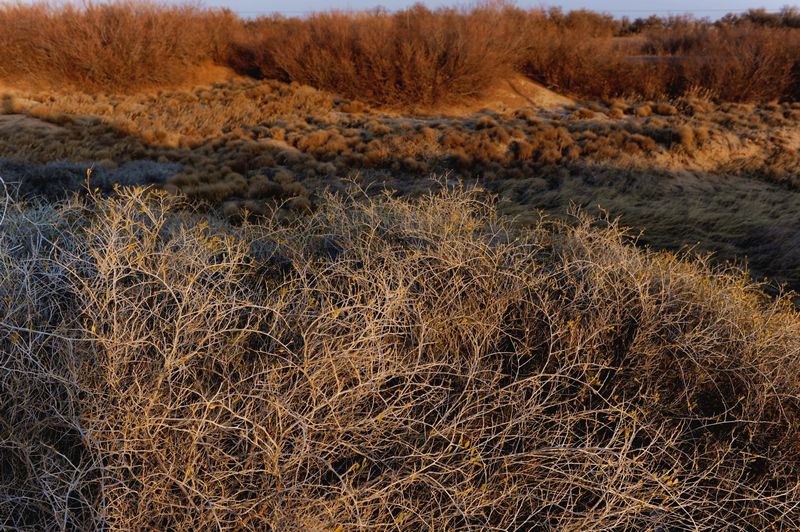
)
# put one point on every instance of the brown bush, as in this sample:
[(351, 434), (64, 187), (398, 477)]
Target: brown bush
[(745, 63), (121, 46), (414, 56), (423, 56), (686, 137), (734, 62), (579, 55)]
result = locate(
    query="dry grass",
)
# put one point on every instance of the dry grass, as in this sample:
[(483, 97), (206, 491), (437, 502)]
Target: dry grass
[(383, 364), (255, 128), (689, 172)]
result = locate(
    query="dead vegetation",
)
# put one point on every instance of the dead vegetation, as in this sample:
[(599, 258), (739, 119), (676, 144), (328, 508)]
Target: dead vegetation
[(415, 56), (251, 347), (251, 146), (383, 364), (595, 56), (109, 47), (410, 57), (250, 128)]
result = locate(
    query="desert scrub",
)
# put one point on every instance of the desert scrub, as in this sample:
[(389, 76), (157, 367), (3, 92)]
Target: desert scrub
[(413, 57), (121, 46), (410, 58), (252, 128), (383, 362)]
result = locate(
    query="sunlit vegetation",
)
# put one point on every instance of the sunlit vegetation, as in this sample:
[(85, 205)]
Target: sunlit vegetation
[(413, 56), (688, 170), (372, 270), (383, 363)]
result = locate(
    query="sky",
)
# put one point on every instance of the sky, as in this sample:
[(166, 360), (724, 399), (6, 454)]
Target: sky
[(631, 8)]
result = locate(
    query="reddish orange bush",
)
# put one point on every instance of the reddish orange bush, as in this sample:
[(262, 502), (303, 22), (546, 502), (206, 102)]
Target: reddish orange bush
[(744, 63), (734, 59), (412, 56), (109, 47)]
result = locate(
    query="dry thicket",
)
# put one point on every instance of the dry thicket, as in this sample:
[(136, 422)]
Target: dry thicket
[(423, 56), (383, 364), (742, 62), (413, 56), (735, 59), (109, 47)]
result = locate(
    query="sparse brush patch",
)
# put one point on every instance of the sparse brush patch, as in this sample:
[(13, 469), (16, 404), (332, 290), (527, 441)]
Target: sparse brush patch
[(383, 363)]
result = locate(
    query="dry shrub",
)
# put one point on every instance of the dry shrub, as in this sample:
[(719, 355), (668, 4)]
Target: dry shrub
[(121, 46), (746, 63), (665, 109), (734, 60), (686, 137), (583, 114), (577, 53), (616, 113), (413, 56), (383, 364), (787, 16), (422, 56)]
